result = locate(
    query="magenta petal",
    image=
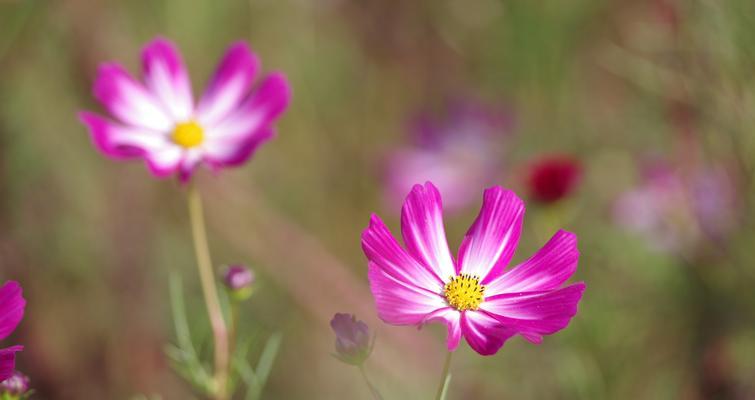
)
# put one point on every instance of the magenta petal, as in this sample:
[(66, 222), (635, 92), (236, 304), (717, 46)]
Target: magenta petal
[(167, 78), (423, 231), (12, 305), (484, 333), (492, 239), (547, 269), (230, 83), (8, 361), (535, 314), (128, 100), (381, 248), (257, 112), (452, 319), (121, 142), (400, 302), (229, 154)]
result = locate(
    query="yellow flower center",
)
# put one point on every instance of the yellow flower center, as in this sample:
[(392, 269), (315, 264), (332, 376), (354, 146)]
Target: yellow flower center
[(464, 292), (188, 134)]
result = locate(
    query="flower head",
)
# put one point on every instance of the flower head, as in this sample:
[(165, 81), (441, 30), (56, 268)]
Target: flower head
[(17, 385), (159, 121), (456, 151), (353, 342), (552, 178), (12, 305), (474, 294)]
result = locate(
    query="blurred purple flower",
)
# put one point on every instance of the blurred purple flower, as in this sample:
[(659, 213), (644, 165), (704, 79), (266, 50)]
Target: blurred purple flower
[(16, 385), (12, 305), (238, 277), (159, 121), (674, 210), (553, 177), (353, 341), (457, 152)]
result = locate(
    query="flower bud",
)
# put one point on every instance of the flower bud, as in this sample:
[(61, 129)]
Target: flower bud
[(353, 343), (239, 279), (15, 386)]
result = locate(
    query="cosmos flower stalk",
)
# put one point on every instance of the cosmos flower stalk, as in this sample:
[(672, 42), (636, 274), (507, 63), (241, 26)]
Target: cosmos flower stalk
[(474, 294), (159, 122)]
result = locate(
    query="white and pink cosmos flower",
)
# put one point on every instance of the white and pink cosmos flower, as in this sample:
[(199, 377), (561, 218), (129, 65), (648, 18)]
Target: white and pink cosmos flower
[(160, 122), (475, 295)]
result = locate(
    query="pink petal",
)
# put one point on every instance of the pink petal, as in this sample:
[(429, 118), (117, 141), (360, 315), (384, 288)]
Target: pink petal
[(228, 154), (190, 160), (533, 314), (492, 239), (230, 83), (259, 111), (382, 249), (167, 78), (452, 319), (547, 269), (12, 305), (422, 228), (8, 361), (127, 100), (122, 142), (483, 333), (400, 302)]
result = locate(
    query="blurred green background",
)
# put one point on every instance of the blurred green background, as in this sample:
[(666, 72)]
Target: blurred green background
[(93, 242)]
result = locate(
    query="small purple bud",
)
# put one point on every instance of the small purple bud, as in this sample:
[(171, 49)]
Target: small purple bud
[(353, 342), (16, 385), (239, 279)]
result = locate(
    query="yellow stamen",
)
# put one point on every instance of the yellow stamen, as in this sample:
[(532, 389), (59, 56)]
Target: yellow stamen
[(188, 134), (464, 292)]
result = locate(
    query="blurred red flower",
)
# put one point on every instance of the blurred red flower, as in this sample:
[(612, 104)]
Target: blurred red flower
[(553, 177)]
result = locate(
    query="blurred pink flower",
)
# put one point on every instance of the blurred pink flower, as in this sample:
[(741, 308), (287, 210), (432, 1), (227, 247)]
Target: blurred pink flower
[(553, 177), (16, 385), (160, 122), (474, 295), (674, 211), (458, 153), (12, 306)]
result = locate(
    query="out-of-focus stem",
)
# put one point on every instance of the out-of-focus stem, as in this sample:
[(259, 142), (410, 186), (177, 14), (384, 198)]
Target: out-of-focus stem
[(373, 390), (444, 376), (207, 277), (233, 324)]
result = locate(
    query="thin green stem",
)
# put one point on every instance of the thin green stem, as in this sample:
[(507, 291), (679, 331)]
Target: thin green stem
[(207, 277), (373, 390), (442, 386), (233, 326)]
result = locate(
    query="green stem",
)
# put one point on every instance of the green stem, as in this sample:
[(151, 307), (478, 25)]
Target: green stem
[(373, 390), (207, 277), (442, 387)]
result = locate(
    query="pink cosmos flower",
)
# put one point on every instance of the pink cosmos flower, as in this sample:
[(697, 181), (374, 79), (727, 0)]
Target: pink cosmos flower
[(12, 306), (458, 152), (475, 295), (678, 209), (160, 122)]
